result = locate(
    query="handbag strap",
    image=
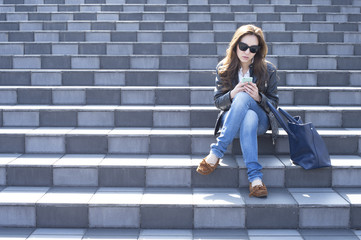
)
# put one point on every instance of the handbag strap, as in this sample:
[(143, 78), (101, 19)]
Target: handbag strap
[(287, 115), (280, 119)]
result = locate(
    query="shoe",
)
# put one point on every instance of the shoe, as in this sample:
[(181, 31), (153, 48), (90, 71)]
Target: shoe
[(205, 168), (258, 191)]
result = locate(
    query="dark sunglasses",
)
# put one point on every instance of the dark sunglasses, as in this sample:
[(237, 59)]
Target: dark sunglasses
[(244, 47)]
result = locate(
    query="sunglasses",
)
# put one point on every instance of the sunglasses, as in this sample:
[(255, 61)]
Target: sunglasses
[(244, 47)]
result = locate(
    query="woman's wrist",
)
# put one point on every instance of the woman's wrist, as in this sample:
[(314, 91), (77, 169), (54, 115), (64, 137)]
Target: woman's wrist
[(231, 94), (259, 98)]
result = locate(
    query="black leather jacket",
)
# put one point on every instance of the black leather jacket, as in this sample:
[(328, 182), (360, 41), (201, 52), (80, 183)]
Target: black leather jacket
[(222, 100)]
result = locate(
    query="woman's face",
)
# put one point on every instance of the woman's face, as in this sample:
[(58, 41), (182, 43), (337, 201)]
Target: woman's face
[(246, 56)]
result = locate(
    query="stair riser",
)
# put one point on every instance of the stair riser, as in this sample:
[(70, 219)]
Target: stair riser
[(149, 118), (171, 62), (174, 36), (145, 144), (113, 22), (171, 96), (186, 177), (165, 49), (174, 217), (164, 78)]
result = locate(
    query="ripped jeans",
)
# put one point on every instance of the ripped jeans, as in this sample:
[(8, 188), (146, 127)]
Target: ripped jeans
[(248, 119)]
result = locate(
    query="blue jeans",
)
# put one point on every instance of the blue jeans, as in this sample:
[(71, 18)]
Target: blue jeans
[(248, 119)]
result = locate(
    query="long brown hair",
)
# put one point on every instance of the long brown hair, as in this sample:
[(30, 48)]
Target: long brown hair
[(231, 64)]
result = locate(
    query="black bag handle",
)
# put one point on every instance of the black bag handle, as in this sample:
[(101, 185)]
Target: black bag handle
[(280, 119)]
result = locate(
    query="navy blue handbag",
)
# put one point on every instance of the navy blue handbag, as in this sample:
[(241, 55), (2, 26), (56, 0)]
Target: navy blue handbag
[(307, 148)]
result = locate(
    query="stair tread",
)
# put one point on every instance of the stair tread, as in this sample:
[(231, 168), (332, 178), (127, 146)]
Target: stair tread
[(171, 108), (148, 131), (225, 31), (153, 88), (157, 161), (190, 56), (270, 44), (173, 21), (121, 70), (201, 197), (194, 4), (173, 234)]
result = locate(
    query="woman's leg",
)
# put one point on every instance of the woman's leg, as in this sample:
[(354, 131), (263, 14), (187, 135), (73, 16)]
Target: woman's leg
[(234, 119), (255, 123), (250, 120)]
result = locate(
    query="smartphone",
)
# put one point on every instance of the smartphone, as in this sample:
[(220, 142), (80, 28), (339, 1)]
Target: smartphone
[(247, 79)]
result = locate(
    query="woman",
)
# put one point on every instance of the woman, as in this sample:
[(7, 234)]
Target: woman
[(243, 105)]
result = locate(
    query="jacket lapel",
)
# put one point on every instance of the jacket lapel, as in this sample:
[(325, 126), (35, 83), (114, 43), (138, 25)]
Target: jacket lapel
[(254, 80)]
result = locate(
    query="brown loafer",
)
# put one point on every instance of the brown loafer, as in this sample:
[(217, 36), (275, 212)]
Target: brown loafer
[(205, 168), (258, 191)]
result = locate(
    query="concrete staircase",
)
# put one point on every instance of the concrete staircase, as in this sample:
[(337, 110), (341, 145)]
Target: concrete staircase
[(106, 111)]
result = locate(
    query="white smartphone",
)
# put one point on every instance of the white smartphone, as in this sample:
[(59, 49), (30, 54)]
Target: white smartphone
[(247, 79)]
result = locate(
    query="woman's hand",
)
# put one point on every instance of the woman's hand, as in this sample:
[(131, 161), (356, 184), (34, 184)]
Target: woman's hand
[(248, 87), (252, 90), (238, 88)]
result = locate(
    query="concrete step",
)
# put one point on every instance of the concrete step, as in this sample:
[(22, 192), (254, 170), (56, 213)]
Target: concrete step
[(96, 140), (166, 116), (189, 234), (80, 176), (182, 35), (166, 49), (156, 77), (167, 208), (258, 14), (173, 234), (192, 96), (194, 62), (177, 171), (216, 7)]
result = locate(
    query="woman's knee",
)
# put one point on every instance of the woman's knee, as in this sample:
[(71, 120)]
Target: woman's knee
[(250, 123), (250, 119), (241, 98)]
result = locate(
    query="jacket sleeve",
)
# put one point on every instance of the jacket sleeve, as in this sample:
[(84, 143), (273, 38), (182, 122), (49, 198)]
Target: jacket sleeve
[(222, 100), (271, 93)]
